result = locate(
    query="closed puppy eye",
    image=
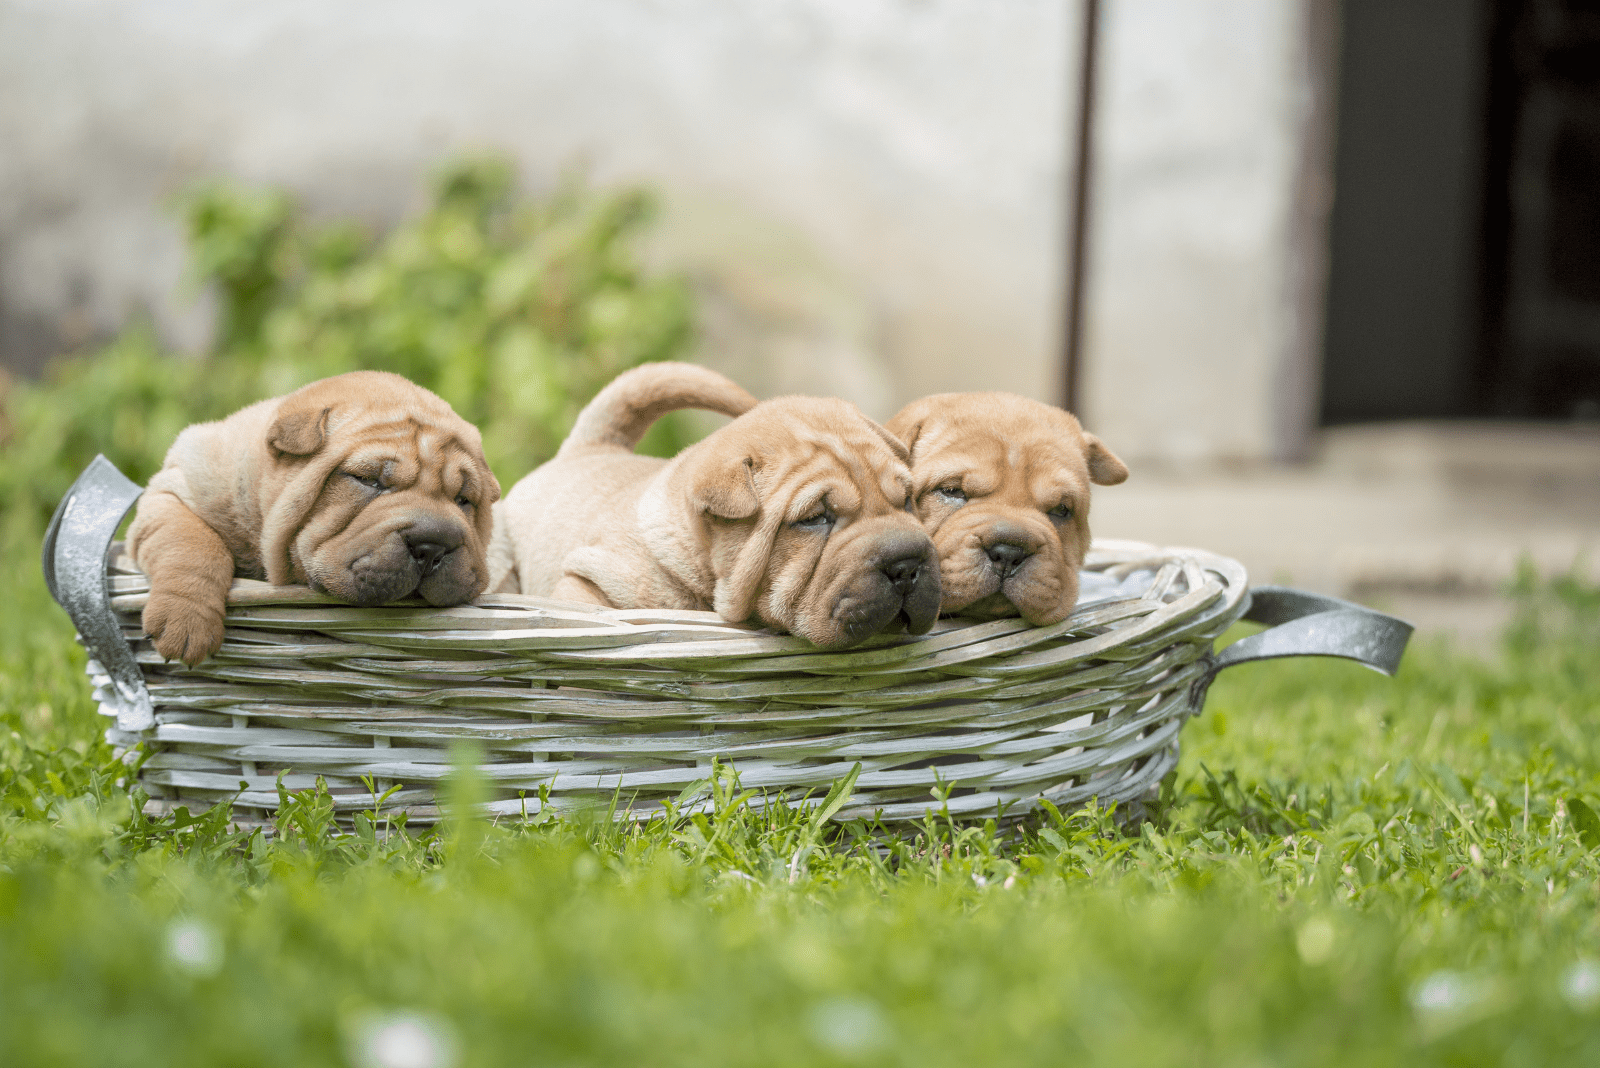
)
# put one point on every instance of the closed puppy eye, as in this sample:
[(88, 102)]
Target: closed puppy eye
[(952, 493), (365, 480), (821, 519), (1060, 512), (463, 502)]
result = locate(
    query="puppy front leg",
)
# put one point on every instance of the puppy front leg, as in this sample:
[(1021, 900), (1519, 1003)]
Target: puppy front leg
[(190, 570), (576, 588)]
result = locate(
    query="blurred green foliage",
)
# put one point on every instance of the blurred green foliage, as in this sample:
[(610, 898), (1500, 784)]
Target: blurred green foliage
[(514, 310)]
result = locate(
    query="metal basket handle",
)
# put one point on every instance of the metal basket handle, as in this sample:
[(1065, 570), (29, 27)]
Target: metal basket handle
[(1308, 624), (75, 547)]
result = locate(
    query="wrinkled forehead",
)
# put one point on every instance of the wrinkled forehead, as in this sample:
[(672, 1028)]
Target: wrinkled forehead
[(408, 447), (1029, 448), (841, 457)]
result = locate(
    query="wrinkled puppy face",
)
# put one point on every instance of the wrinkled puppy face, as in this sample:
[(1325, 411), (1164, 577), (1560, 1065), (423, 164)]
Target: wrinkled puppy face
[(807, 511), (388, 493), (1002, 485)]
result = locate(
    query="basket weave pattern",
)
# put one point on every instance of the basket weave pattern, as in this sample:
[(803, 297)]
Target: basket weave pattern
[(634, 705)]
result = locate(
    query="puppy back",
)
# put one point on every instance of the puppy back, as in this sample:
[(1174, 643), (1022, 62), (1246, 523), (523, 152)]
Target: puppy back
[(620, 414)]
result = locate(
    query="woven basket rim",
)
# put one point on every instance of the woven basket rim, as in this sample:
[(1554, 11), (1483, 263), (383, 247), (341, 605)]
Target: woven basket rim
[(128, 589), (643, 699)]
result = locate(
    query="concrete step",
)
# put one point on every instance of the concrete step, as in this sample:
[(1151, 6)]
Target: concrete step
[(1430, 519)]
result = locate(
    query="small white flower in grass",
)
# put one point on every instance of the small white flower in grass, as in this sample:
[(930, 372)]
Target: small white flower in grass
[(980, 880), (1581, 985), (193, 947), (849, 1026), (401, 1040), (1314, 940)]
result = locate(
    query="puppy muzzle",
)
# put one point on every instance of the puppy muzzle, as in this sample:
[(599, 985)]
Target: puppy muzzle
[(430, 559), (1002, 567), (901, 593)]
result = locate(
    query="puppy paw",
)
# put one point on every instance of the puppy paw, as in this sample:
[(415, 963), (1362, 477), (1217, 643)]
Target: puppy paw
[(183, 629)]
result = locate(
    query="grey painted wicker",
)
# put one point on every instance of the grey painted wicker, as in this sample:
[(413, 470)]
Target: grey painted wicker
[(593, 704)]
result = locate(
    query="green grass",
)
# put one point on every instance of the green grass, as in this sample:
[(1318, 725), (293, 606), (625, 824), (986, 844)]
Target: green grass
[(1346, 869)]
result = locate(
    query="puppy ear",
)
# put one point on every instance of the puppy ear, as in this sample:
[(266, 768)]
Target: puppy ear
[(1104, 467), (896, 446), (910, 436), (482, 475), (907, 424), (299, 430), (483, 517), (728, 491), (736, 595)]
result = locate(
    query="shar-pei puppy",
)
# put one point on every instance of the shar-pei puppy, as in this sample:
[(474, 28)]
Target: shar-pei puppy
[(1002, 485), (797, 513), (363, 486)]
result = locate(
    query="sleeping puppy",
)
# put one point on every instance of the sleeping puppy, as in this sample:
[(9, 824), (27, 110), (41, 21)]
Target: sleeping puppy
[(1002, 485), (797, 513), (364, 486)]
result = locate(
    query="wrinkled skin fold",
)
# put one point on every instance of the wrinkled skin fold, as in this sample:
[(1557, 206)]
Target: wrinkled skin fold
[(796, 514), (1002, 485), (363, 486)]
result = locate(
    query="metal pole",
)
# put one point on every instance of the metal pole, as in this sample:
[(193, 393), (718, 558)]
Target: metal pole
[(1078, 211)]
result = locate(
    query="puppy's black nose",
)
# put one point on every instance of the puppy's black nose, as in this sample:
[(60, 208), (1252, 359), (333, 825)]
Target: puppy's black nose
[(427, 554), (1008, 556), (429, 546), (903, 572)]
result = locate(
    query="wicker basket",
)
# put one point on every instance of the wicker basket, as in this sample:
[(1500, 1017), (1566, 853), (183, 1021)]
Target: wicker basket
[(582, 707)]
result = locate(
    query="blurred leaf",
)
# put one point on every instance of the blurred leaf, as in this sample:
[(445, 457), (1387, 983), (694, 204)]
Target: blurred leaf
[(1585, 820)]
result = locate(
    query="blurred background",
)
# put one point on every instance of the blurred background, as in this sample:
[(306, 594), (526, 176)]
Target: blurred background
[(1325, 272)]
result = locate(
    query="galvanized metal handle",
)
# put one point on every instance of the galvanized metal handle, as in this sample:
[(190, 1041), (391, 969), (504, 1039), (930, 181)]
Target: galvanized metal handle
[(1308, 624), (75, 547)]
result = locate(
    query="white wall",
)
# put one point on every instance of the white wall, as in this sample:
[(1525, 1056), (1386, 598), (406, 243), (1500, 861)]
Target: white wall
[(869, 193), (1191, 300)]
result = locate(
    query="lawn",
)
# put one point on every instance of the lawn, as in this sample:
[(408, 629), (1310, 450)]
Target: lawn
[(1346, 869)]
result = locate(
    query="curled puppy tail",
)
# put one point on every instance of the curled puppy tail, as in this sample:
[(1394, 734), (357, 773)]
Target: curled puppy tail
[(620, 414)]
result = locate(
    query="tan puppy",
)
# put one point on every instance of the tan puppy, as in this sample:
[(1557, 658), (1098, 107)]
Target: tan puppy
[(796, 513), (364, 486), (1002, 484)]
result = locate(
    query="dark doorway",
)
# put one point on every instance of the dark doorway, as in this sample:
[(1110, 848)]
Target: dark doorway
[(1545, 360), (1464, 273)]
